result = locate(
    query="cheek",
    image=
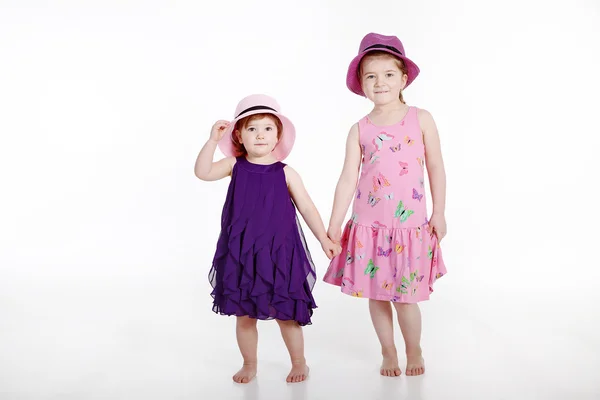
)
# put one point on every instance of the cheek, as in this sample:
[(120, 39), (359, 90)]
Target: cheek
[(245, 137)]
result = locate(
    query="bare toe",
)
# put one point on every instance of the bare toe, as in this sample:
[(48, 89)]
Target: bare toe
[(246, 374), (389, 367), (299, 373), (415, 366)]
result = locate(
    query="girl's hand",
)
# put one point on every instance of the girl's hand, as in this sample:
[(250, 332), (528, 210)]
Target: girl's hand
[(331, 249), (334, 234), (218, 130), (438, 226)]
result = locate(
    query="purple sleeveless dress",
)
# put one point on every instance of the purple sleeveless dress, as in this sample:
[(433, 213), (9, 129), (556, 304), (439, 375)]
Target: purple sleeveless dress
[(262, 267)]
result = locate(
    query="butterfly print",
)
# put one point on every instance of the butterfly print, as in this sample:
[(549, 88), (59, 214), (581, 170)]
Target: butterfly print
[(396, 148), (404, 168), (379, 139), (379, 182), (398, 248), (403, 288), (373, 158), (408, 141), (349, 258), (371, 269), (372, 200), (415, 275), (381, 252), (403, 213), (416, 195)]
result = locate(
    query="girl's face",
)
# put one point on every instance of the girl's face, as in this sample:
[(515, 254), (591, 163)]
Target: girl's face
[(382, 80), (259, 137)]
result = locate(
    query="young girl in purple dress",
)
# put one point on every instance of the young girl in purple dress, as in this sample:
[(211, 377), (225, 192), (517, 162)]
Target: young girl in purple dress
[(262, 268)]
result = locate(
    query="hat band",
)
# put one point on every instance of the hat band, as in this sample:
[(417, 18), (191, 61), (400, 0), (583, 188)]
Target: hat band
[(255, 108), (383, 46)]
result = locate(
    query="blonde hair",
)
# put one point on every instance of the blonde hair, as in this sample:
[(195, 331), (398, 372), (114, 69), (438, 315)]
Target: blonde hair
[(238, 147), (378, 53)]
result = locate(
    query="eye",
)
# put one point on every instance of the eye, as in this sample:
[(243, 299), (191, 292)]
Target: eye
[(390, 74), (269, 129), (370, 76), (251, 129)]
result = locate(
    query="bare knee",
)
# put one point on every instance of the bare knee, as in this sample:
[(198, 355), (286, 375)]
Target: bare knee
[(287, 324), (405, 307), (379, 304), (246, 322)]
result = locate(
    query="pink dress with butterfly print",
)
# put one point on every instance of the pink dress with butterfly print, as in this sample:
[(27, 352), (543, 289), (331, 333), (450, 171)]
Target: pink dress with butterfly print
[(388, 252)]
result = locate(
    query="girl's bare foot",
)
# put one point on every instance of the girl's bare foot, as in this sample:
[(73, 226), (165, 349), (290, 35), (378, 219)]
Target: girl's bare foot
[(415, 364), (389, 365), (246, 374), (298, 373)]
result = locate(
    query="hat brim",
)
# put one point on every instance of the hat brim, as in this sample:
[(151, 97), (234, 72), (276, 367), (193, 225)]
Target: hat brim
[(282, 149), (353, 82)]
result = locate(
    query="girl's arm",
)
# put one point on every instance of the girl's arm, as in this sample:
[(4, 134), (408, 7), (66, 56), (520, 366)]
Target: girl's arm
[(309, 212), (344, 191), (435, 170), (205, 168)]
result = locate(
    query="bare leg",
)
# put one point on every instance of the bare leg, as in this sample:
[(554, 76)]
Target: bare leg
[(294, 341), (247, 338), (409, 318), (381, 315)]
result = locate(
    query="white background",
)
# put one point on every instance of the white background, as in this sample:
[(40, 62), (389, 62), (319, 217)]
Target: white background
[(106, 236)]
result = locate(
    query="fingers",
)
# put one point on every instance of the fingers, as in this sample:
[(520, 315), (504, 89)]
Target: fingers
[(440, 234)]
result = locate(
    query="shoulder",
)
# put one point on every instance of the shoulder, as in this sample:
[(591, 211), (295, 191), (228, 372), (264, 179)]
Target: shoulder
[(354, 131), (290, 172), (423, 114), (425, 120), (291, 175)]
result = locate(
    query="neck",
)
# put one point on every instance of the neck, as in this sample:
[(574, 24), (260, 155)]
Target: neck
[(389, 107), (265, 160)]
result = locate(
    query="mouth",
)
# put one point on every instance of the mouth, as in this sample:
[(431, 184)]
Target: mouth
[(260, 144), (382, 92)]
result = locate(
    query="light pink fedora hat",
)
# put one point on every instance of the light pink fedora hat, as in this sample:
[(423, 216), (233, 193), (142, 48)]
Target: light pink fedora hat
[(259, 104), (372, 42)]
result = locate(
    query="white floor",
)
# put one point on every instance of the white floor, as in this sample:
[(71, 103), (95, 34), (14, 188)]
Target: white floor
[(153, 342)]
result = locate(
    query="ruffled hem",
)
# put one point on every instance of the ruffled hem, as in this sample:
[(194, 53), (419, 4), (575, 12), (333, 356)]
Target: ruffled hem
[(265, 278), (399, 265)]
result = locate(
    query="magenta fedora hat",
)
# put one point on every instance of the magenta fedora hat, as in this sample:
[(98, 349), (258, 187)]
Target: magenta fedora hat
[(377, 42), (260, 104)]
